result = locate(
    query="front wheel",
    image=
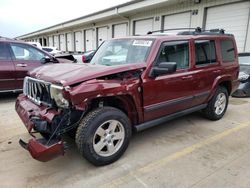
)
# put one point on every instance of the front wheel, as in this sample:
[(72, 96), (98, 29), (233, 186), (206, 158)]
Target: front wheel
[(217, 106), (103, 135)]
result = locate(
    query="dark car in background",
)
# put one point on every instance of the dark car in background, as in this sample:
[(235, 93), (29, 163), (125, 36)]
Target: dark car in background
[(17, 58), (244, 76)]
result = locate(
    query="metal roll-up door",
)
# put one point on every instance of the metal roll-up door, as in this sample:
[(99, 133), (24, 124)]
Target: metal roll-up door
[(89, 40), (119, 30), (69, 40), (50, 41), (62, 42), (142, 27), (233, 18), (78, 41), (102, 35), (56, 41), (180, 20)]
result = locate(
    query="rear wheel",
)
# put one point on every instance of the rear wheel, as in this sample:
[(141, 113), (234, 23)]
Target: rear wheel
[(103, 135), (217, 106)]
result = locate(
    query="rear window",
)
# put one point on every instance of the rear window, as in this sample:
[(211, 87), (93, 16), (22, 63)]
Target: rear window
[(205, 52), (227, 50)]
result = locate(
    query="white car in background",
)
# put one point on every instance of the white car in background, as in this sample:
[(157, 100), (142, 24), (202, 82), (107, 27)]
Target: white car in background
[(36, 44), (51, 49)]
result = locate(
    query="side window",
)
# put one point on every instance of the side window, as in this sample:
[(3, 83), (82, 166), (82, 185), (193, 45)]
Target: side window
[(4, 52), (175, 51), (227, 50), (205, 52), (26, 52)]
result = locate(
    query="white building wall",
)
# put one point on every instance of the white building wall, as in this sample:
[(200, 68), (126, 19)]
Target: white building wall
[(167, 8)]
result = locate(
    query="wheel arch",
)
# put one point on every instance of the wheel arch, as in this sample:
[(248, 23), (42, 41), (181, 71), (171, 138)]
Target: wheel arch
[(125, 103)]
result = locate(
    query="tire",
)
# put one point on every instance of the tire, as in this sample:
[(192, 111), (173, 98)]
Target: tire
[(211, 111), (103, 135)]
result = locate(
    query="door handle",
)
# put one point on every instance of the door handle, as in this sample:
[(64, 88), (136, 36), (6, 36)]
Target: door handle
[(187, 77), (21, 65)]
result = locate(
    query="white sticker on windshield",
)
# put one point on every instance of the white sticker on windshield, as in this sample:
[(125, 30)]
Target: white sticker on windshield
[(142, 43)]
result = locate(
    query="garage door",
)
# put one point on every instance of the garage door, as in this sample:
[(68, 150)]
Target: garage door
[(102, 35), (233, 18), (56, 41), (69, 38), (142, 27), (78, 41), (119, 30), (181, 20), (51, 41), (89, 40), (62, 42)]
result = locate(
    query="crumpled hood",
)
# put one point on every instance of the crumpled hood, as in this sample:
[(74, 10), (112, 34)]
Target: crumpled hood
[(68, 74)]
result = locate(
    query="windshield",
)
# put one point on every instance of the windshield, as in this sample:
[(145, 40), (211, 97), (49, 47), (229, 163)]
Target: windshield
[(122, 51), (244, 60)]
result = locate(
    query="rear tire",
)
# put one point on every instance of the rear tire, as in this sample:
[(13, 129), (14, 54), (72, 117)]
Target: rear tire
[(103, 135), (217, 106)]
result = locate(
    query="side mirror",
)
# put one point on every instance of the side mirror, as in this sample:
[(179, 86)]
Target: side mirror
[(163, 68), (46, 59)]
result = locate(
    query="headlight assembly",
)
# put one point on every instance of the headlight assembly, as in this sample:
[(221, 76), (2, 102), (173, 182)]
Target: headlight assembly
[(56, 94), (243, 76)]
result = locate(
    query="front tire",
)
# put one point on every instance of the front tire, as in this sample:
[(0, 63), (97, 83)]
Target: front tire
[(217, 106), (103, 135)]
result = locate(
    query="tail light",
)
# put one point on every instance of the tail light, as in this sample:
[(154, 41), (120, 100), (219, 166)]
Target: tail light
[(83, 58)]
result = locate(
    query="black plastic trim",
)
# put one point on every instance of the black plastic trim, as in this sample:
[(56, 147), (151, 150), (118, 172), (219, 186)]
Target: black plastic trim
[(164, 119)]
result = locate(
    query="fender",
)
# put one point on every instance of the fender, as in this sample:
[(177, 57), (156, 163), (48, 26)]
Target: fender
[(125, 90), (218, 81)]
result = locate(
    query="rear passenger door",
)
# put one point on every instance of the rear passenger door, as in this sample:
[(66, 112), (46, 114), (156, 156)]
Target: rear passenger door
[(7, 69), (25, 58), (207, 68)]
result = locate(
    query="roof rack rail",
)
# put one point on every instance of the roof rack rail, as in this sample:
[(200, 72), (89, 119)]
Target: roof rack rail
[(195, 31)]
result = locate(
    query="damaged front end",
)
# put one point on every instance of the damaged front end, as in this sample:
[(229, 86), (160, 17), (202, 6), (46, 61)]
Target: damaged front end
[(48, 120)]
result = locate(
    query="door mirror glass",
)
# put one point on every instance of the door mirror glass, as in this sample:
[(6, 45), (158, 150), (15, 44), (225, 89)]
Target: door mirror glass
[(45, 60), (163, 68)]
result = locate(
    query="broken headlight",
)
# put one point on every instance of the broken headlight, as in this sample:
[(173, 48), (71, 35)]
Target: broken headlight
[(56, 94)]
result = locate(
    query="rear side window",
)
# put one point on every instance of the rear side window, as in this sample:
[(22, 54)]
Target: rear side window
[(4, 52), (205, 52), (227, 50), (175, 51)]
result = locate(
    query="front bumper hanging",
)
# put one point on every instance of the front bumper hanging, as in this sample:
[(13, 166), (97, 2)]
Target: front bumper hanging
[(40, 149)]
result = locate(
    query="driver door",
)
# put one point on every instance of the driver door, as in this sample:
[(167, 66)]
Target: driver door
[(173, 92), (25, 58)]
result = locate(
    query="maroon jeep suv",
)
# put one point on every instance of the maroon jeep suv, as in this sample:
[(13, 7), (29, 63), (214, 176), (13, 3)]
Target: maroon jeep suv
[(130, 84), (17, 58)]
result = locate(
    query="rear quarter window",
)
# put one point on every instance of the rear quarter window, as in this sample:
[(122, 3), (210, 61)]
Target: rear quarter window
[(227, 50), (4, 52)]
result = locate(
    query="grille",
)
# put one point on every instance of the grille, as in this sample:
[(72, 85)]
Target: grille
[(37, 91)]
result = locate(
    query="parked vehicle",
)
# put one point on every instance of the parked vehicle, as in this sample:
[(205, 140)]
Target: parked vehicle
[(84, 57), (51, 49), (17, 58), (87, 56), (244, 76), (36, 44), (161, 77)]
